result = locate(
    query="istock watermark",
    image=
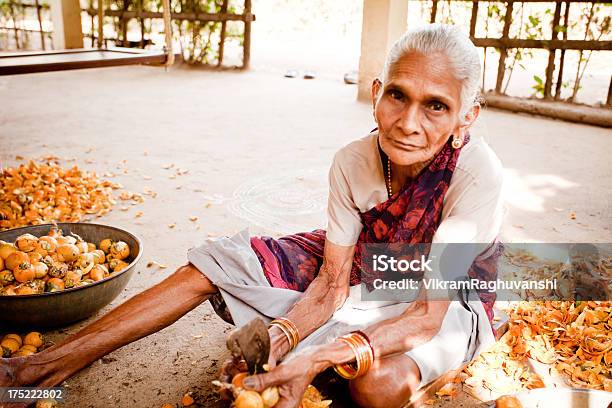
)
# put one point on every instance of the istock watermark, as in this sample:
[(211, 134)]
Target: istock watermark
[(471, 284), (502, 271), (384, 263)]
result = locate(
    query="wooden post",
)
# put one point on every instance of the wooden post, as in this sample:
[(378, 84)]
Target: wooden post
[(93, 21), (123, 39), (15, 29), (123, 22), (550, 68), (473, 19), (67, 29), (142, 27), (40, 25), (501, 68), (222, 35), (434, 11), (100, 23), (246, 47), (384, 21), (562, 58), (168, 32)]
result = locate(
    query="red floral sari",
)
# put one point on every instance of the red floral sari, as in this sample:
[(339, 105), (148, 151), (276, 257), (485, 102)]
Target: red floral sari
[(411, 216)]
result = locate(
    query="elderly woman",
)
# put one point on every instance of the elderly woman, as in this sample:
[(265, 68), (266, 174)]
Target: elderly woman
[(418, 178)]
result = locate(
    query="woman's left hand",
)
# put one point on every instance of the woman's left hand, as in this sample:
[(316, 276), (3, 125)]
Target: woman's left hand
[(291, 377)]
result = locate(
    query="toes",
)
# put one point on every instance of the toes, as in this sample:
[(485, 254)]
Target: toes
[(7, 375)]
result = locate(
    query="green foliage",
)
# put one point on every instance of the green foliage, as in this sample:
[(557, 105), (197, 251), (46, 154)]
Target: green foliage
[(594, 21), (493, 11), (198, 40), (13, 11), (539, 86)]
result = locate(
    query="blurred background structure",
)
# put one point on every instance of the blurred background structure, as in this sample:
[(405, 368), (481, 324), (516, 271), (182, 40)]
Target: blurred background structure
[(542, 50)]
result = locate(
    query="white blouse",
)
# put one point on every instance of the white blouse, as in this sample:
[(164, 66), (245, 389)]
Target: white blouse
[(472, 208)]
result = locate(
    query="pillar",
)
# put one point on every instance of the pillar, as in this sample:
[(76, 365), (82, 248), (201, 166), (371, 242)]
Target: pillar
[(384, 21), (66, 18)]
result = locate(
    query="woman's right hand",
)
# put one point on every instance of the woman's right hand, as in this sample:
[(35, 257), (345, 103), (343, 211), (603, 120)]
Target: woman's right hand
[(233, 366)]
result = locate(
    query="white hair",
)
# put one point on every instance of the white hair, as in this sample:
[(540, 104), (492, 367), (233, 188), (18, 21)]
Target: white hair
[(459, 49)]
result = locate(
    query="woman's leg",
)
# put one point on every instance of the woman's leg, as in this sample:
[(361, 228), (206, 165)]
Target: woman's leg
[(390, 383), (141, 315)]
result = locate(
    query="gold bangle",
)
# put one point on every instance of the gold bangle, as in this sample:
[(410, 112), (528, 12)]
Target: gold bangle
[(364, 353), (365, 337), (346, 370), (285, 332), (289, 329), (366, 346), (364, 356)]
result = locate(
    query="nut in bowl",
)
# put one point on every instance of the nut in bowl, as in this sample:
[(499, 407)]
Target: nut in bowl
[(54, 275), (31, 269)]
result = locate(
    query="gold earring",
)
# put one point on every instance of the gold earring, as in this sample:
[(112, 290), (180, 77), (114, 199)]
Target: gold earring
[(457, 142)]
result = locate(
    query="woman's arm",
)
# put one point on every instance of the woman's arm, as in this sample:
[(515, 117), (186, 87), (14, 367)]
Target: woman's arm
[(417, 325), (325, 294)]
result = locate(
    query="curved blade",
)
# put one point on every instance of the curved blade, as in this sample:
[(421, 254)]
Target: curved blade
[(252, 343)]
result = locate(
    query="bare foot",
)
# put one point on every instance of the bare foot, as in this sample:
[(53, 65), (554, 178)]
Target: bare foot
[(23, 371), (9, 368), (7, 373)]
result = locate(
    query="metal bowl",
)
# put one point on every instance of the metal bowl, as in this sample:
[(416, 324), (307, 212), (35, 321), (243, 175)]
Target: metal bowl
[(55, 309)]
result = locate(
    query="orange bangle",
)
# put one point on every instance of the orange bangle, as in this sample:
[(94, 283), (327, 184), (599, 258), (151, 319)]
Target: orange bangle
[(365, 352), (289, 329), (346, 370), (364, 341), (364, 356), (292, 328), (285, 332)]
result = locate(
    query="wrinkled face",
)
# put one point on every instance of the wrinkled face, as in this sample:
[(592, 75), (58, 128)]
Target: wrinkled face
[(418, 108)]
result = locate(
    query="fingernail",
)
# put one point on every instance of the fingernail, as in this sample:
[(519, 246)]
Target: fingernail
[(249, 382)]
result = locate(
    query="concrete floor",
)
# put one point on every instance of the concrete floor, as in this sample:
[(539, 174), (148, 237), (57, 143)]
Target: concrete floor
[(257, 147)]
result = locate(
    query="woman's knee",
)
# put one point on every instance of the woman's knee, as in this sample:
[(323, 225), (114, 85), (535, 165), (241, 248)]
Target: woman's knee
[(378, 391), (214, 296), (191, 276), (390, 383)]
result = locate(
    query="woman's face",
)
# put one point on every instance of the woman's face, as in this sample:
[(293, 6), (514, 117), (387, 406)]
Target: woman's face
[(418, 108)]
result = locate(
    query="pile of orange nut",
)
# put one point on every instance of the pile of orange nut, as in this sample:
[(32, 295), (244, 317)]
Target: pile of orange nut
[(54, 262), (571, 339), (41, 193)]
